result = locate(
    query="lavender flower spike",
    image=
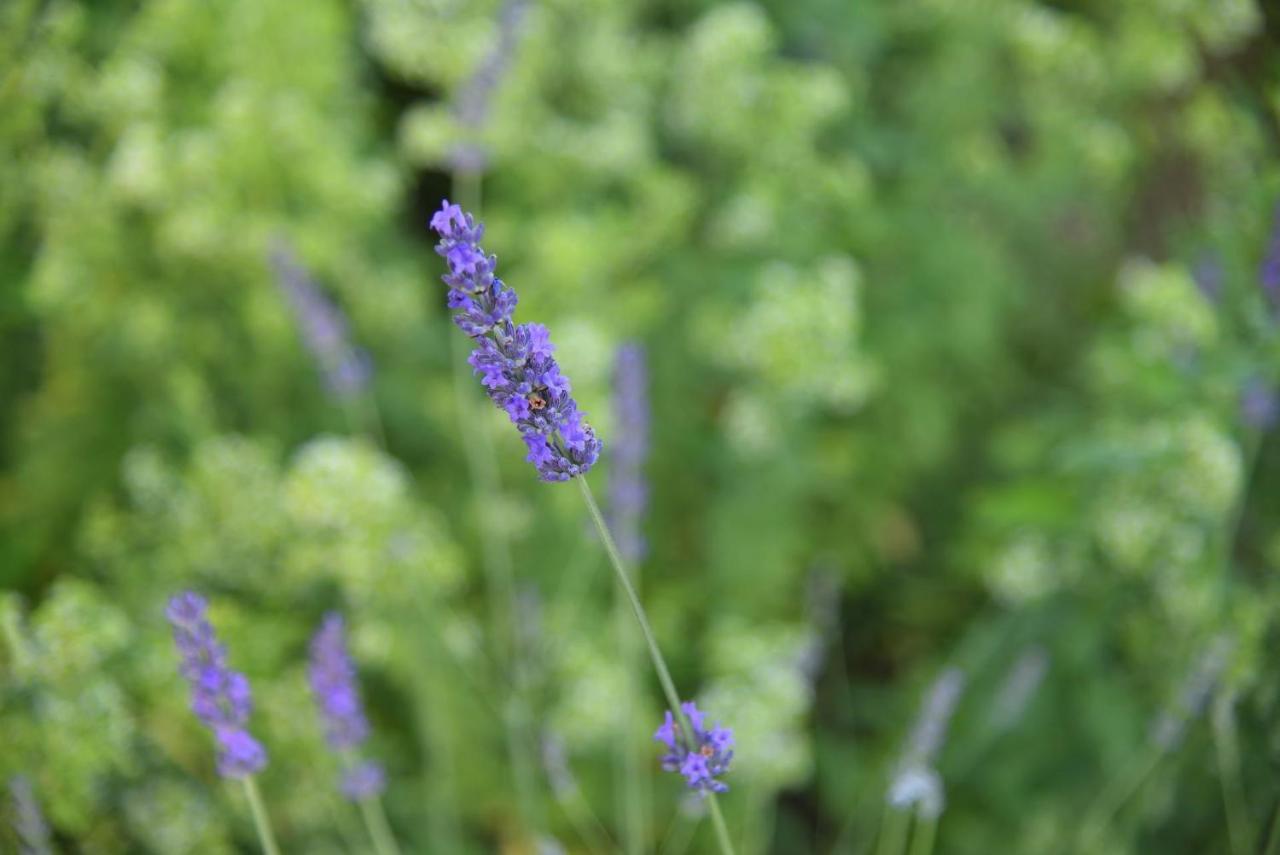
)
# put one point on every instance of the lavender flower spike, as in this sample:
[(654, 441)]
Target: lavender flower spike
[(219, 696), (28, 822), (332, 675), (628, 491), (346, 368), (915, 781), (702, 759), (514, 361)]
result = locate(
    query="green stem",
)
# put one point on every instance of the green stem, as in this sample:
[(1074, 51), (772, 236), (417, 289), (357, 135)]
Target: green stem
[(1112, 798), (375, 820), (926, 831), (629, 768), (676, 840), (1273, 836), (260, 821), (892, 839), (651, 641), (717, 822), (1228, 754)]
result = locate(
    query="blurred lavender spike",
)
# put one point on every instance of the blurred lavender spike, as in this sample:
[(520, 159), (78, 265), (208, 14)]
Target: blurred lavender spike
[(556, 765), (476, 95), (930, 730), (1019, 686), (1194, 693), (1269, 271), (628, 489), (529, 631), (1259, 404), (1208, 276), (915, 782), (28, 822), (325, 332), (332, 676)]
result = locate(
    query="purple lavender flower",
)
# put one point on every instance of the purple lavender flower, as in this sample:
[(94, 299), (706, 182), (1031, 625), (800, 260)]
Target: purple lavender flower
[(28, 822), (1269, 272), (472, 106), (1259, 404), (364, 780), (220, 697), (701, 760), (628, 490), (514, 361), (556, 764), (346, 368), (332, 675)]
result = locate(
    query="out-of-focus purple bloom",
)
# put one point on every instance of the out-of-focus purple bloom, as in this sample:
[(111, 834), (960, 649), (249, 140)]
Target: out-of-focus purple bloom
[(919, 787), (1208, 276), (915, 775), (931, 727), (514, 361), (1269, 271), (28, 823), (1193, 694), (556, 765), (472, 106), (628, 489), (1259, 404), (363, 780), (346, 369), (332, 676), (702, 758), (1024, 679), (220, 697)]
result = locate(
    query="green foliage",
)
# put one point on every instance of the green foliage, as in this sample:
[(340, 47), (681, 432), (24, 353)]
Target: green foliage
[(925, 289)]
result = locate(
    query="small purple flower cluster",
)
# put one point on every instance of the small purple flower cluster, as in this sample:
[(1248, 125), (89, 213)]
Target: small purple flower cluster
[(514, 361), (346, 368), (219, 696), (332, 675), (702, 759), (628, 490)]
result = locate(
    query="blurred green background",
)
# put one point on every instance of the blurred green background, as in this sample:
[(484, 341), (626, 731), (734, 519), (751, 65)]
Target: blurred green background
[(961, 356)]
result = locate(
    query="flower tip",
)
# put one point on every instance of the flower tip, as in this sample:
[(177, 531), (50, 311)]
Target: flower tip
[(449, 217), (186, 607)]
